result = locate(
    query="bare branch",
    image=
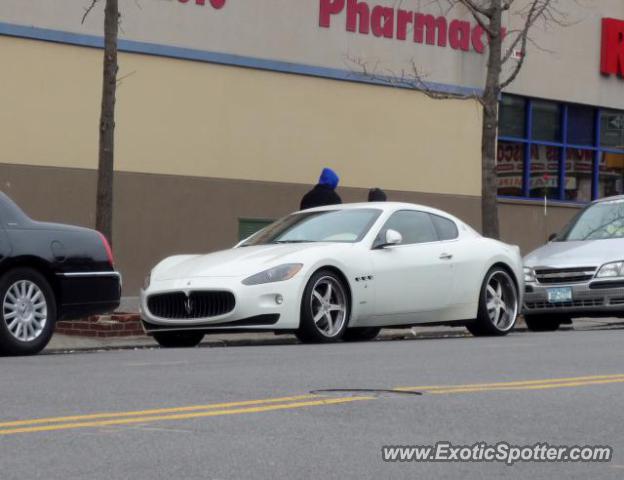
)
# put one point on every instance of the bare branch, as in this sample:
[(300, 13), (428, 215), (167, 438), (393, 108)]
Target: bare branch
[(88, 10), (412, 80), (537, 10)]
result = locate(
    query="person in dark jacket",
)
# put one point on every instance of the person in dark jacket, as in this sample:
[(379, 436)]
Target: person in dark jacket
[(377, 195), (324, 193)]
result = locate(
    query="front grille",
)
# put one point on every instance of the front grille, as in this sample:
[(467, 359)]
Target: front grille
[(587, 302), (553, 276), (617, 301), (179, 306)]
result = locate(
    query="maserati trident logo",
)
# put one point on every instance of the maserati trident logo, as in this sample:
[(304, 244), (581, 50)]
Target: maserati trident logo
[(188, 305)]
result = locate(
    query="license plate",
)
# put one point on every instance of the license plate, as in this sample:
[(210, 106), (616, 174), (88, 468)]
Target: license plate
[(559, 295)]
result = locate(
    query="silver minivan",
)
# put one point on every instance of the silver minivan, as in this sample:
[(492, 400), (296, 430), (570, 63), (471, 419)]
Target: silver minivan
[(580, 272)]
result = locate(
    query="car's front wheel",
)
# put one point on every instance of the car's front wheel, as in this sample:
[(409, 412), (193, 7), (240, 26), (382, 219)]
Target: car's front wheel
[(498, 305), (28, 312), (325, 309), (544, 323), (178, 339)]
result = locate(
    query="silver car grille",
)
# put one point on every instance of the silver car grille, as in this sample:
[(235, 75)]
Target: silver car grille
[(553, 276)]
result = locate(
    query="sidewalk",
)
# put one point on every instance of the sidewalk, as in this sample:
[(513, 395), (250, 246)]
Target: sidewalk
[(71, 343), (61, 343)]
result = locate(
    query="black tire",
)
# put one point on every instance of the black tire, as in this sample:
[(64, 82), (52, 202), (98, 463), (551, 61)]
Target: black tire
[(10, 344), (178, 339), (544, 323), (363, 334), (309, 331), (484, 325)]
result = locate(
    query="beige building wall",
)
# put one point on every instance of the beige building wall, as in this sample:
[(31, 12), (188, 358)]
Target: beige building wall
[(197, 119)]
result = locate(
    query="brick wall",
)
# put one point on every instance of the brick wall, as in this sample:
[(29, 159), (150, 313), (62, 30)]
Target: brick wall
[(119, 325)]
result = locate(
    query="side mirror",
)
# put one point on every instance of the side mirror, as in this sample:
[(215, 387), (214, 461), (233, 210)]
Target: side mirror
[(391, 237), (552, 237)]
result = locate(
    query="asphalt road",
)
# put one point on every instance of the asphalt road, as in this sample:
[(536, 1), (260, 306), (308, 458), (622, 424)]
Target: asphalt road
[(247, 412)]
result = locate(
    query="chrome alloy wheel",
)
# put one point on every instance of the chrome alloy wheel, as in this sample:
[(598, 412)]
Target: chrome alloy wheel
[(328, 305), (501, 300), (25, 310)]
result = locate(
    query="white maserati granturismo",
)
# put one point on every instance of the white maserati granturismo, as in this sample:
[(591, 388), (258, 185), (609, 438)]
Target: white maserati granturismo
[(340, 272)]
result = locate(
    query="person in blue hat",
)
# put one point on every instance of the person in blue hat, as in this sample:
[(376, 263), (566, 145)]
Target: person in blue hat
[(323, 193)]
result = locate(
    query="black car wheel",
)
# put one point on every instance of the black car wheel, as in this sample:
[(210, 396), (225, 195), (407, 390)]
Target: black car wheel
[(28, 312), (178, 339), (544, 323), (361, 334), (325, 309)]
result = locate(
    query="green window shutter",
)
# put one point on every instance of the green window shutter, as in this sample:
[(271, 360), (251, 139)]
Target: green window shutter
[(249, 226)]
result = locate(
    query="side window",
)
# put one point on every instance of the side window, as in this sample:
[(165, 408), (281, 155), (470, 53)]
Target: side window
[(415, 227), (447, 230)]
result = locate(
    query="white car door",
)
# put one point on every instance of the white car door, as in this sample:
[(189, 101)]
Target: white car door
[(413, 280)]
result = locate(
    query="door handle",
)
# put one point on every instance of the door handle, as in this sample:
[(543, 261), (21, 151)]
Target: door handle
[(446, 256)]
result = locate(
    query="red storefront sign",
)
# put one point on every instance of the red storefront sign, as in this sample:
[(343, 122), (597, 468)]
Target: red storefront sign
[(399, 24), (612, 47), (218, 4)]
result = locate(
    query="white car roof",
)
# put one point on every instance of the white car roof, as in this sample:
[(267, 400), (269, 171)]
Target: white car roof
[(385, 206)]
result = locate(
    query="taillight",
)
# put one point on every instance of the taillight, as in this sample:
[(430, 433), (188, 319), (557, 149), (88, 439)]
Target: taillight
[(109, 250)]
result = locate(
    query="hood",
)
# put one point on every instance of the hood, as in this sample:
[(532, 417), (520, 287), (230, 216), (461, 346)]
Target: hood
[(592, 253), (236, 262), (329, 178)]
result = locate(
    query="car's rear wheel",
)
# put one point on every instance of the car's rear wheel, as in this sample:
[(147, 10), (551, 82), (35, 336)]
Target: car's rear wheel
[(178, 339), (28, 312), (363, 334), (544, 323), (325, 308), (498, 305)]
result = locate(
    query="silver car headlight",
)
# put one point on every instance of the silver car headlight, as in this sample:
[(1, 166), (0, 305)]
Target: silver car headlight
[(276, 274), (529, 275), (611, 270)]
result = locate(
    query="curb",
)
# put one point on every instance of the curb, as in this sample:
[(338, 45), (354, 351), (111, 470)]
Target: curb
[(146, 343)]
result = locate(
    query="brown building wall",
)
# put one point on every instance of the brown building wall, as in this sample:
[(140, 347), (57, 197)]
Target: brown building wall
[(161, 215)]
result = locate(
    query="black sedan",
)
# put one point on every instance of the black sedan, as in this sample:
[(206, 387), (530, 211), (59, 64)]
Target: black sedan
[(49, 272)]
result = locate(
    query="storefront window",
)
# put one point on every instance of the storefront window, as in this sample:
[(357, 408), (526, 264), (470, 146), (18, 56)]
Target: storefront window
[(510, 169), (581, 125), (611, 181), (579, 174), (562, 148), (612, 129), (544, 179), (546, 121), (513, 116)]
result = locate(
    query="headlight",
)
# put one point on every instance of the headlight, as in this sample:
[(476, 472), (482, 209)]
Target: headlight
[(147, 281), (610, 270), (529, 275), (275, 274)]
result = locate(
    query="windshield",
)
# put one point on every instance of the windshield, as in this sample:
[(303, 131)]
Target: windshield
[(343, 226), (600, 221)]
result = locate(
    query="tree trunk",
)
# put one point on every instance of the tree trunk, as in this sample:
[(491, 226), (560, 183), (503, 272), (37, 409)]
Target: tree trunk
[(489, 188), (104, 203)]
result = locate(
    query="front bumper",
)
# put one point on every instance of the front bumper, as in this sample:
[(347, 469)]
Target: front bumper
[(599, 298), (256, 307)]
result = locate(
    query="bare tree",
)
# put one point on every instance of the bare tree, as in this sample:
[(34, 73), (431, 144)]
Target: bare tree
[(504, 46), (106, 155)]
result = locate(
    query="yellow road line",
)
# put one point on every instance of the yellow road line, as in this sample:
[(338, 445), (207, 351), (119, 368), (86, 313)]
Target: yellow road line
[(183, 416), (520, 385), (544, 386), (157, 411)]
